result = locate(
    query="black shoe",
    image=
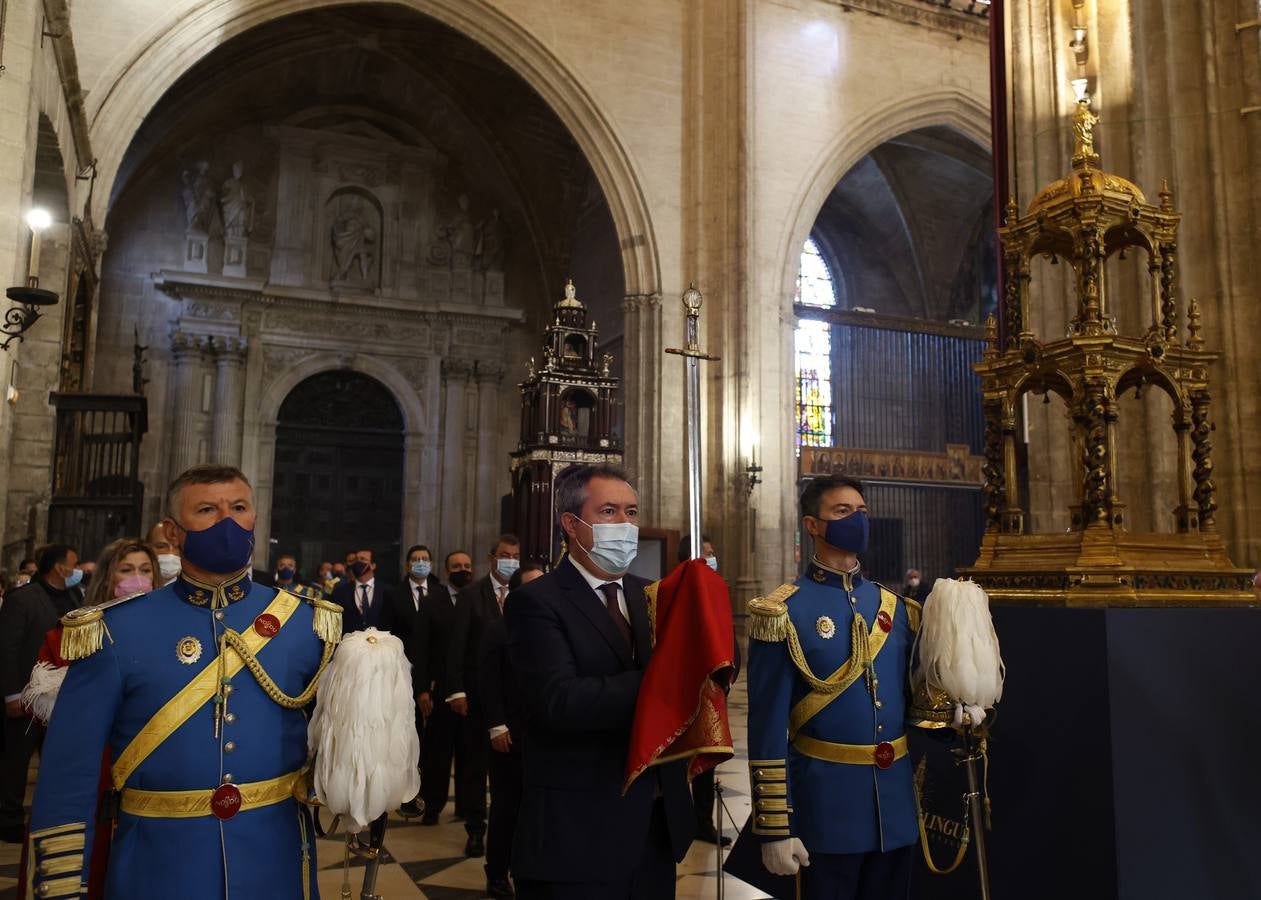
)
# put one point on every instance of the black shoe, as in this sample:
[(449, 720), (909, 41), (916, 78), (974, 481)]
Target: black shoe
[(13, 834), (476, 846), (429, 818), (410, 809), (705, 832), (499, 887)]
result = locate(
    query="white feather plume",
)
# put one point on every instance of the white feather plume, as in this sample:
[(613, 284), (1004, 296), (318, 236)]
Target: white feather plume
[(958, 648), (40, 693), (363, 732)]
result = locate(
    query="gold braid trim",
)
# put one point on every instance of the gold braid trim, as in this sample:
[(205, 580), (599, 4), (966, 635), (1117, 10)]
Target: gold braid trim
[(236, 642)]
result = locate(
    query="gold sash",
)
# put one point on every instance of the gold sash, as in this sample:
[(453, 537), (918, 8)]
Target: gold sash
[(194, 695), (814, 702)]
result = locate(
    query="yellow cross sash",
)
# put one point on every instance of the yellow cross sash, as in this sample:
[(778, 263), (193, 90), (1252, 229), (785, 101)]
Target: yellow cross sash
[(816, 701), (194, 695)]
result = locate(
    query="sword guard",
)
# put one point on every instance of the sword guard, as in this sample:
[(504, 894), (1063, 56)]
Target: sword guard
[(694, 354)]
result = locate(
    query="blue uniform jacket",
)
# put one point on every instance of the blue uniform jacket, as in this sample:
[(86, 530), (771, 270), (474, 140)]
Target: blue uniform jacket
[(153, 646), (833, 807)]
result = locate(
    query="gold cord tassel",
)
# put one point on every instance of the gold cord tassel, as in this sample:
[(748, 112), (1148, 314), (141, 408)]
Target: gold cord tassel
[(81, 636), (327, 623)]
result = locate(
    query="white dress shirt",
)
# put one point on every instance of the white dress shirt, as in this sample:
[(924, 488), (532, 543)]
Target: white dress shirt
[(420, 590), (595, 581), (371, 585)]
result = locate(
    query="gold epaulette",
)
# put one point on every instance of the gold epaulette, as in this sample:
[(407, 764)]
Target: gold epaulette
[(768, 616), (83, 630), (913, 607), (327, 622), (305, 591)]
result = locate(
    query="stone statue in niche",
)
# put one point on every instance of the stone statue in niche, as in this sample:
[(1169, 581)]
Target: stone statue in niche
[(201, 200), (237, 198), (569, 418), (456, 240), (490, 244), (354, 241)]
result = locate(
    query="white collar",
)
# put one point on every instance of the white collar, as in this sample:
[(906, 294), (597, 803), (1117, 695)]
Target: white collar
[(370, 583), (594, 580)]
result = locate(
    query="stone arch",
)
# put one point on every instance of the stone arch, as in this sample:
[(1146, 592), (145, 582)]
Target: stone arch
[(950, 107), (259, 451), (178, 41)]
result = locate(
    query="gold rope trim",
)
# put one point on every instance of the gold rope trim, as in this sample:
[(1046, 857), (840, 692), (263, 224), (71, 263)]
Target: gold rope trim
[(239, 644), (196, 804), (192, 697), (839, 681), (61, 865), (650, 595)]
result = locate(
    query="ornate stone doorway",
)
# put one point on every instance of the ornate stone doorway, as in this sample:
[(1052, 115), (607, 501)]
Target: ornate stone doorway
[(337, 484)]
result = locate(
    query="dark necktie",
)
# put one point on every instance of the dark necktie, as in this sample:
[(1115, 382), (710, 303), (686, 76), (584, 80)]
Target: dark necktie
[(610, 603), (364, 603)]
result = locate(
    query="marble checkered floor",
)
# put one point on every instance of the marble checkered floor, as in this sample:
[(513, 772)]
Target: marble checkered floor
[(429, 863)]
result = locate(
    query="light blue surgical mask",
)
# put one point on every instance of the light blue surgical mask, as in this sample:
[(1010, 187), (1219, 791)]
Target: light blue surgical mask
[(422, 568), (613, 545), (74, 578), (507, 567), (712, 562)]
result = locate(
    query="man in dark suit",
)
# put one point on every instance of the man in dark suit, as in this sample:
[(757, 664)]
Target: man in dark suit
[(364, 600), (477, 604), (414, 600), (501, 711), (442, 726), (579, 641), (28, 613)]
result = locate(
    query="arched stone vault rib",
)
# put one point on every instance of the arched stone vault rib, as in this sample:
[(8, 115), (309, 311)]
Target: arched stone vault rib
[(157, 59), (949, 107)]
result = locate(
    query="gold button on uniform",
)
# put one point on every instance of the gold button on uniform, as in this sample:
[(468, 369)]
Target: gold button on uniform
[(229, 746)]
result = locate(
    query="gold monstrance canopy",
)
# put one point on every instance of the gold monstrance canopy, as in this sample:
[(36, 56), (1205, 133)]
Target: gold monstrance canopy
[(1085, 219)]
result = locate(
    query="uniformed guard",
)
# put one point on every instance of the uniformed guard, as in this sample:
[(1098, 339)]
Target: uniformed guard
[(831, 780), (197, 690)]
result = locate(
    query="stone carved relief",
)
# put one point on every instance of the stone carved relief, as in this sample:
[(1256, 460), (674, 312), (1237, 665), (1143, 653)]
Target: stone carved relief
[(281, 359), (456, 241), (491, 237), (355, 238), (344, 327)]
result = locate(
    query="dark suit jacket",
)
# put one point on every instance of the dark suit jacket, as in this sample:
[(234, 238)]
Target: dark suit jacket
[(498, 690), (415, 628), (580, 683), (28, 613), (381, 616), (475, 606)]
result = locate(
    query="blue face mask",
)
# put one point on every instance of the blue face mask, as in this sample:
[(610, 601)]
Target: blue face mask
[(422, 568), (222, 549), (75, 576), (850, 533), (613, 545), (286, 573), (507, 567), (712, 562)]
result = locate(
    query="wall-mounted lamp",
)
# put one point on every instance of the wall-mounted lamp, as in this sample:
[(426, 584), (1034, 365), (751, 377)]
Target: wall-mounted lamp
[(28, 297), (752, 477), (1081, 52)]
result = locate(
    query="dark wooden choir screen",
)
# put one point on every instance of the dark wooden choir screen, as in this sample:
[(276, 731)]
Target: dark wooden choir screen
[(906, 385), (97, 493)]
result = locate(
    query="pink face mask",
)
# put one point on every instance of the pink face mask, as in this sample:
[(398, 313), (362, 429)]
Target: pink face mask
[(133, 584)]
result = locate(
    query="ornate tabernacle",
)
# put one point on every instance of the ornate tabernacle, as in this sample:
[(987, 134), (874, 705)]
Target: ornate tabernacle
[(568, 403), (1085, 219)]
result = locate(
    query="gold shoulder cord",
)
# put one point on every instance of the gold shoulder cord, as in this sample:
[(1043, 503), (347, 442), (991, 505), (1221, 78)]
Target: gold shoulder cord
[(236, 642)]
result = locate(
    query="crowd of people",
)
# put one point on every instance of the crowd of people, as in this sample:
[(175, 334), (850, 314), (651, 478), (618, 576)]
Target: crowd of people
[(451, 625)]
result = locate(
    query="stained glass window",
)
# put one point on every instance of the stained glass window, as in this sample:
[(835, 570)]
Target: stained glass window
[(814, 383), (813, 350), (814, 281)]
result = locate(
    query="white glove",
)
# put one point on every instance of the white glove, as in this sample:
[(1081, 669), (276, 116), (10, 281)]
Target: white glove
[(784, 857)]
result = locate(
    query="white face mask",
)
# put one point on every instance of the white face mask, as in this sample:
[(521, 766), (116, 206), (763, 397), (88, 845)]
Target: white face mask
[(168, 565), (613, 545)]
